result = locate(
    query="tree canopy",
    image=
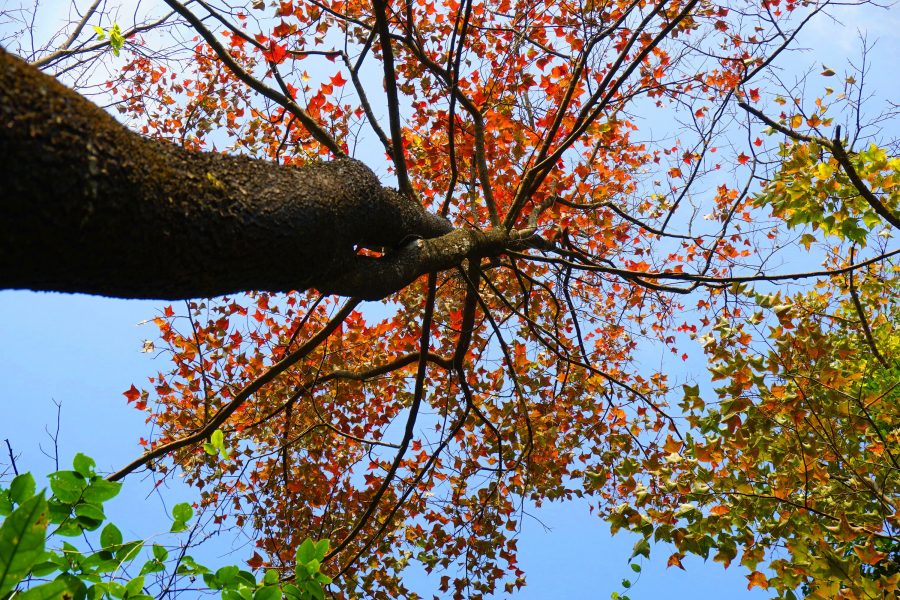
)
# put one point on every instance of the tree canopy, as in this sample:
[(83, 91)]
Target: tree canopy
[(583, 190)]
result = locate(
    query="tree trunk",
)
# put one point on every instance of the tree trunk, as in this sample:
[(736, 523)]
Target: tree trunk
[(89, 206)]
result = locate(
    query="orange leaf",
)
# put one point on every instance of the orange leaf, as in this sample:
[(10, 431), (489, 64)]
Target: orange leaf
[(868, 554), (675, 561), (757, 578), (338, 80)]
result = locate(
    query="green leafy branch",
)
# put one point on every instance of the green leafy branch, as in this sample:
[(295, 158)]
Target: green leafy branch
[(116, 39), (77, 506)]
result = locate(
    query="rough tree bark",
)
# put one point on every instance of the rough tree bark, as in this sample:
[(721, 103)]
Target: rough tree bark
[(89, 206)]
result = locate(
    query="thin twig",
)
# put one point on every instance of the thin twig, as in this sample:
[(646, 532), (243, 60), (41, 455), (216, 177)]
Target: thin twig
[(12, 458)]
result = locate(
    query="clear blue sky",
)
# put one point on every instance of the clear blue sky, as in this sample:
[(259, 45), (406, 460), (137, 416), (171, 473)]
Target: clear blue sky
[(82, 351)]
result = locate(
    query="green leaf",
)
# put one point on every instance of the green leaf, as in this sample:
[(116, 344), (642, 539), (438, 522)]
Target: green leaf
[(636, 568), (84, 465), (117, 590), (92, 561), (614, 596), (315, 589), (96, 591), (21, 488), (160, 553), (67, 486), (58, 511), (152, 566), (626, 584), (45, 568), (110, 537), (178, 526), (322, 549), (182, 512), (89, 523), (100, 33), (312, 567), (306, 552), (271, 592), (292, 591), (83, 509), (134, 587), (217, 438), (323, 578), (211, 582), (65, 587), (101, 490), (226, 574), (271, 577), (642, 547), (189, 567), (209, 449), (129, 551), (68, 529), (6, 506), (22, 541), (108, 566)]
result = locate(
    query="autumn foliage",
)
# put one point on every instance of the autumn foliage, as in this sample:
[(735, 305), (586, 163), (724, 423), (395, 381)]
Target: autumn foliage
[(660, 188)]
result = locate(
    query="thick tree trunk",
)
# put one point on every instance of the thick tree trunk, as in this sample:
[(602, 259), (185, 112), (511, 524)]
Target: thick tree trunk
[(89, 206)]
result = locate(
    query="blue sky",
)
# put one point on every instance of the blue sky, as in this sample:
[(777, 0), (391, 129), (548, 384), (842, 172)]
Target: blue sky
[(82, 351)]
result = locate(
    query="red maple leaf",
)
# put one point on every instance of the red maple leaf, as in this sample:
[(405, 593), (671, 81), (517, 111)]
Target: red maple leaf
[(338, 80), (282, 29), (754, 95), (255, 562), (276, 53), (132, 394), (743, 158), (286, 8)]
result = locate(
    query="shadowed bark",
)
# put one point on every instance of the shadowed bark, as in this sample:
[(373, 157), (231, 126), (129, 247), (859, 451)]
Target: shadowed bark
[(89, 206)]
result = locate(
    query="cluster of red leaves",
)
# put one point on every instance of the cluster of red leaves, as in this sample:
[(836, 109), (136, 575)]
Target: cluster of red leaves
[(552, 387)]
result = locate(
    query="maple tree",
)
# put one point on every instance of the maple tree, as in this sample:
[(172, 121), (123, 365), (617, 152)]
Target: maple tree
[(539, 246)]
